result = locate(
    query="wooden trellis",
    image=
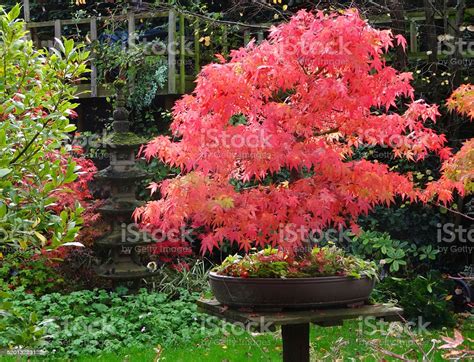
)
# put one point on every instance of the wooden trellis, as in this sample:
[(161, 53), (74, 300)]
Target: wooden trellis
[(175, 47), (176, 52)]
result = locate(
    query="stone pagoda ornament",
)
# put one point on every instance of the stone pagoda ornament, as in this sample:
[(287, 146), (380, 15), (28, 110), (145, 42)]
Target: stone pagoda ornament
[(123, 246)]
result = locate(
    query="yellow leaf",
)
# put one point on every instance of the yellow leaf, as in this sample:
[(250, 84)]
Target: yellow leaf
[(41, 237), (285, 7), (225, 202), (449, 297), (1, 256), (206, 40), (23, 244)]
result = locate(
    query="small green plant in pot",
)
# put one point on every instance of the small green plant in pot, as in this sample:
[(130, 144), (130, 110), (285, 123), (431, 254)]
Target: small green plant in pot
[(277, 278), (265, 146), (277, 263)]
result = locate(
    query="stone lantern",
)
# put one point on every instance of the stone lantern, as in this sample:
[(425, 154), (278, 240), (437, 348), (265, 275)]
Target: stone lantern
[(124, 246)]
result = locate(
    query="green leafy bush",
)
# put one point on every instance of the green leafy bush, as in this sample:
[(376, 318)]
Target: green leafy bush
[(420, 296), (36, 168), (133, 64), (395, 255), (36, 273), (412, 222), (150, 78)]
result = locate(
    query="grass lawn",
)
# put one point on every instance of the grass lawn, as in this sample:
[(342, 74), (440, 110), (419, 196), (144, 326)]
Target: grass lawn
[(347, 342), (331, 343)]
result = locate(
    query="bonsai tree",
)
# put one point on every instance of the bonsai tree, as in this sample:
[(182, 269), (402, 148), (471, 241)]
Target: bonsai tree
[(268, 138)]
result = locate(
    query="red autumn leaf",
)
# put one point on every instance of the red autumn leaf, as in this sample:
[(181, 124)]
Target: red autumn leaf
[(401, 41), (452, 343)]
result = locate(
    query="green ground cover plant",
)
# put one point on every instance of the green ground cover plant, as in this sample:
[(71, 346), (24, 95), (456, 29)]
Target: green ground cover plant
[(97, 321)]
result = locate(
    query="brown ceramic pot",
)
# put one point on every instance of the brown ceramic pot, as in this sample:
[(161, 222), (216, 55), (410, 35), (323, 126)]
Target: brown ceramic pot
[(291, 293)]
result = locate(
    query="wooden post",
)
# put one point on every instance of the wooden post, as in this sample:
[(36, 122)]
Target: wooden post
[(171, 52), (131, 28), (131, 43), (57, 30), (26, 10), (413, 38), (295, 342), (93, 30), (197, 55), (182, 55)]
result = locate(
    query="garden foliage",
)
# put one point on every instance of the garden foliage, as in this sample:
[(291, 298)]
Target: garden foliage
[(461, 166), (93, 322), (37, 172)]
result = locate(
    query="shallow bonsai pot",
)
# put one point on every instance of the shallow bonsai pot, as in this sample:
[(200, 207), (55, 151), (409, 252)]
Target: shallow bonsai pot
[(290, 293)]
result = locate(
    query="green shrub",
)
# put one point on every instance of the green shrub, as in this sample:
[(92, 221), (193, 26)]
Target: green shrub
[(36, 168), (36, 273), (420, 296), (398, 257)]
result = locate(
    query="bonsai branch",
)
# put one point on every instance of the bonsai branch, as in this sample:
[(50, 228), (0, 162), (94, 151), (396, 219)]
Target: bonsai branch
[(328, 132)]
